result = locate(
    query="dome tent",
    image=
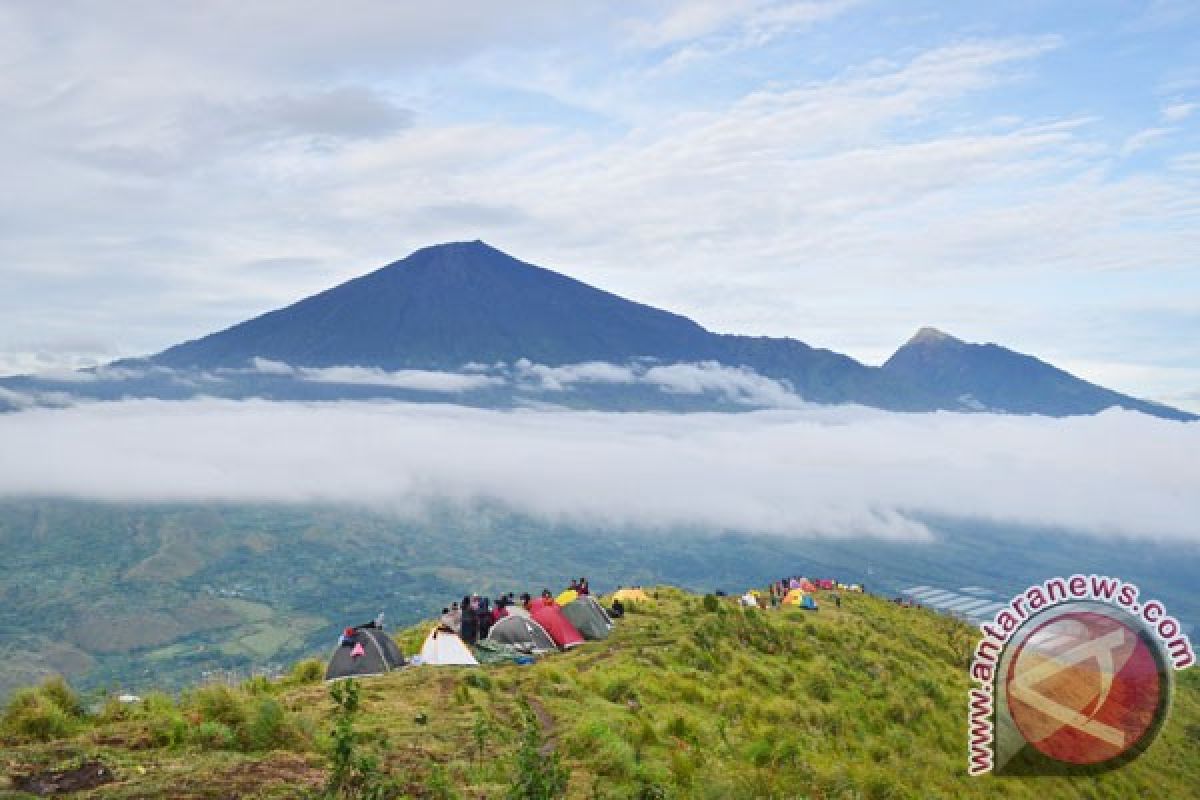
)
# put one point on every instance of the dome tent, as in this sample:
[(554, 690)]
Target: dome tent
[(523, 633), (444, 648), (588, 617), (370, 651), (551, 618)]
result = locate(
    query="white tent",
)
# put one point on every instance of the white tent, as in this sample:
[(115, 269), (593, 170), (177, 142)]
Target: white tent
[(444, 648)]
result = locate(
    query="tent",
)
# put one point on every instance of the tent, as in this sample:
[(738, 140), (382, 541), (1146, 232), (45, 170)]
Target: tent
[(444, 648), (807, 586), (567, 596), (522, 633), (797, 597), (631, 596), (588, 617), (369, 652), (825, 583), (551, 618), (749, 599)]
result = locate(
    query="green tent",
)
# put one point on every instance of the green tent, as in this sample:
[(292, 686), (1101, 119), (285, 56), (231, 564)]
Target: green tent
[(588, 617)]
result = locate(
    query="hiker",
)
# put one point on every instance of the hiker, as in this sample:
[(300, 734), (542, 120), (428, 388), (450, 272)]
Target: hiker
[(618, 609), (837, 600), (446, 620), (347, 638), (469, 630), (483, 616), (526, 601), (500, 610), (573, 586), (583, 586), (456, 615), (547, 598)]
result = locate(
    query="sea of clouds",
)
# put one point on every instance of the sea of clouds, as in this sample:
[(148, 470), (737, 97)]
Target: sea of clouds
[(837, 471)]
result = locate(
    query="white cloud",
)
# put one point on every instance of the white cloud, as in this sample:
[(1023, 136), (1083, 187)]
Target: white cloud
[(268, 367), (735, 384), (415, 379), (739, 384), (1178, 112), (840, 471), (558, 378), (1143, 139)]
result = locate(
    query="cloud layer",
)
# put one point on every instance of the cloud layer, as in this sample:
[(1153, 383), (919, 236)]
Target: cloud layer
[(837, 471)]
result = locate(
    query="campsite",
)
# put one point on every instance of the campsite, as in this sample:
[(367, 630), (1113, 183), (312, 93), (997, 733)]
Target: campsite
[(690, 696)]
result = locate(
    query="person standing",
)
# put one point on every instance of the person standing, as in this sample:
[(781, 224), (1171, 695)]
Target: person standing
[(470, 623)]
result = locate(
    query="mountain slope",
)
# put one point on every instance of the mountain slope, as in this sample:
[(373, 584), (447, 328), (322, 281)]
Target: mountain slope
[(445, 306), (863, 701), (955, 374)]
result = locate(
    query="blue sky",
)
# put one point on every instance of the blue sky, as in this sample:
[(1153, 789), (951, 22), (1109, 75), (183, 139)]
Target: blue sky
[(842, 172)]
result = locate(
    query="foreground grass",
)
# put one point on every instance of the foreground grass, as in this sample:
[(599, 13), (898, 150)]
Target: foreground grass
[(865, 702)]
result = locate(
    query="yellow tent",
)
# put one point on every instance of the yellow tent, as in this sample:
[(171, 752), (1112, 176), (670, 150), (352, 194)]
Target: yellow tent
[(566, 597), (801, 598), (631, 596)]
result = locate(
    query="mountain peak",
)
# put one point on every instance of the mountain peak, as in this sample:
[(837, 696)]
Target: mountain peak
[(929, 335)]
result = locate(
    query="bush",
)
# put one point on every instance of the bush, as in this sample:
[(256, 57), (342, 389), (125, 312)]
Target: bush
[(217, 703), (60, 693), (711, 604), (309, 670), (268, 728), (210, 735), (31, 715), (821, 688)]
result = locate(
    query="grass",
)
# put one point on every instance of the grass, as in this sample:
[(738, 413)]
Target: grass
[(685, 700)]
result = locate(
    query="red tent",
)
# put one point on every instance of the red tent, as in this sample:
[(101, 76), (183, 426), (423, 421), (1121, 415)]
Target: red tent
[(825, 583), (806, 585), (550, 617)]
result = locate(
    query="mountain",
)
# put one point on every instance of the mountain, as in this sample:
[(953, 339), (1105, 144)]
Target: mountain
[(954, 373), (465, 303), (687, 698)]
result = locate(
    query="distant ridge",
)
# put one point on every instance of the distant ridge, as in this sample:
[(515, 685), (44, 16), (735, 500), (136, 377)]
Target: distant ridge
[(461, 303)]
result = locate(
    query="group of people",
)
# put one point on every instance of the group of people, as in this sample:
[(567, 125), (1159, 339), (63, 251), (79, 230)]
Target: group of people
[(473, 618)]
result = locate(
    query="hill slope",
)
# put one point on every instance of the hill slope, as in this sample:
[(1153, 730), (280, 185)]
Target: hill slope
[(868, 701)]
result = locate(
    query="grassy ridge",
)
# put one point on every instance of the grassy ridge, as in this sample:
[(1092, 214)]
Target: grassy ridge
[(865, 702)]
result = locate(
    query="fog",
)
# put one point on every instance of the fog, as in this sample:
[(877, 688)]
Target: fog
[(821, 471)]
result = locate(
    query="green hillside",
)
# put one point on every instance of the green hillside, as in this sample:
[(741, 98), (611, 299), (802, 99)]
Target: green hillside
[(153, 596), (865, 702)]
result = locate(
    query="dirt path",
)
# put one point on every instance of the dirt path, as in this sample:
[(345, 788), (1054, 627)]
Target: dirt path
[(545, 722)]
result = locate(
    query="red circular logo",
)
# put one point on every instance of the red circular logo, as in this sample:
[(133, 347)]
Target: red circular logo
[(1084, 688)]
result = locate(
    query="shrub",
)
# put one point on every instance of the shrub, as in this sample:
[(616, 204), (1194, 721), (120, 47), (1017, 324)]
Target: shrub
[(821, 688), (268, 728), (711, 604), (259, 684), (310, 670), (212, 735), (31, 715), (60, 693), (218, 703)]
